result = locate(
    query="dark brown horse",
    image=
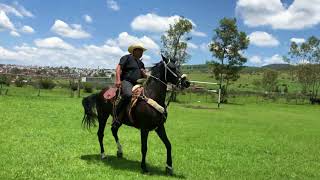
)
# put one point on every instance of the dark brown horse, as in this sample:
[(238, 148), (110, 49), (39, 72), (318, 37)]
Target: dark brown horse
[(146, 118)]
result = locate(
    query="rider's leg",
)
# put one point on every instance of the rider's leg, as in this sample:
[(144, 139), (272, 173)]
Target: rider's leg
[(126, 94)]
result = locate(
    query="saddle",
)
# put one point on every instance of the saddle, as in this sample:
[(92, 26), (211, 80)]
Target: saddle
[(137, 93)]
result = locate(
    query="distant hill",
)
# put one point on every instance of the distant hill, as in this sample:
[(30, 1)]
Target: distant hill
[(246, 69), (278, 66)]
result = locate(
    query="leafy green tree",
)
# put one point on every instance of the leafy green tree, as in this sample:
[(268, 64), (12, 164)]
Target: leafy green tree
[(227, 46), (307, 55), (270, 80), (4, 80), (174, 43)]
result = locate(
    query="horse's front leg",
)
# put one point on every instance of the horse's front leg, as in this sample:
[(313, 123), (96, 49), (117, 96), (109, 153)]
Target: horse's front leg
[(114, 130), (144, 148), (163, 136)]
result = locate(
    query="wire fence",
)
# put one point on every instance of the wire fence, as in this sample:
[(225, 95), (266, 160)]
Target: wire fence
[(77, 86)]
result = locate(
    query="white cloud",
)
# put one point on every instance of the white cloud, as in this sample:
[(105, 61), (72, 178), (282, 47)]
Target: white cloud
[(275, 59), (259, 61), (198, 33), (86, 56), (260, 38), (153, 23), (72, 31), (87, 18), (14, 33), (256, 60), (22, 10), (298, 40), (113, 5), (5, 21), (18, 10), (192, 45), (299, 15), (27, 29), (125, 40), (158, 24), (52, 42)]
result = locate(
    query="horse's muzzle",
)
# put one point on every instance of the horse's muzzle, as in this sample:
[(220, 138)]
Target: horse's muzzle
[(185, 84)]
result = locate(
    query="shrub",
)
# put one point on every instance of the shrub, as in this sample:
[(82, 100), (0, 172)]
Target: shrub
[(73, 86), (4, 80), (19, 82), (46, 84), (88, 87)]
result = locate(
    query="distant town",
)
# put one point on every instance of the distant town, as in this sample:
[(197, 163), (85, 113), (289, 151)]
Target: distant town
[(54, 71)]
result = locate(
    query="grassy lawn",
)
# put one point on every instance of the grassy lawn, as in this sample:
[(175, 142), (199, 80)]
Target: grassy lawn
[(41, 138)]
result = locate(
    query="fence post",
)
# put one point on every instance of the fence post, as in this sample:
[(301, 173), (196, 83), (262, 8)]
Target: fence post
[(79, 80), (39, 85), (219, 96)]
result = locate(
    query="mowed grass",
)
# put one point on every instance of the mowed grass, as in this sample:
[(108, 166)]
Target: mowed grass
[(41, 138)]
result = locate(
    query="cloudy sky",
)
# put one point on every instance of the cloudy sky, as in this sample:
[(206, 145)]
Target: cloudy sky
[(83, 33)]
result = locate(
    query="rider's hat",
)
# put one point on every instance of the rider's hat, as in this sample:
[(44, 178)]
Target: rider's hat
[(136, 46)]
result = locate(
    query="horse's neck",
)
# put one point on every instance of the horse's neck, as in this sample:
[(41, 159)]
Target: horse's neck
[(156, 90)]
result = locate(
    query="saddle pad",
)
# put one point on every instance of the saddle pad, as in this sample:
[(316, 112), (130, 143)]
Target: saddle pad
[(110, 93), (155, 105)]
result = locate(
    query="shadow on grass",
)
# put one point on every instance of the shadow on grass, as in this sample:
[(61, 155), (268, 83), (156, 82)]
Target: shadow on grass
[(237, 104), (200, 107), (127, 165)]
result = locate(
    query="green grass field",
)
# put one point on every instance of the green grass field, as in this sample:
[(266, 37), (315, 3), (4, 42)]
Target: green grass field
[(245, 82), (41, 138)]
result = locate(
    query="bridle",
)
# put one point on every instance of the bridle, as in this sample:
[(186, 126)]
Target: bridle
[(166, 69), (165, 77)]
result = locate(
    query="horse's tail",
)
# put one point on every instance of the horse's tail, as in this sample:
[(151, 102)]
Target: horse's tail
[(90, 115)]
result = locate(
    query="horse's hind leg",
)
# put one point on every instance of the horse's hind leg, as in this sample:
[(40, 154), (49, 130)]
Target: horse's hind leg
[(144, 148), (102, 118), (163, 136), (114, 130)]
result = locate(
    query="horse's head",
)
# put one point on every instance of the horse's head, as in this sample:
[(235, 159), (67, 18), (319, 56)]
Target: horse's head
[(173, 75)]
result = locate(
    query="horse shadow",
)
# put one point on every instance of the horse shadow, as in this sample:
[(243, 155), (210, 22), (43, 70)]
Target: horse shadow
[(127, 165)]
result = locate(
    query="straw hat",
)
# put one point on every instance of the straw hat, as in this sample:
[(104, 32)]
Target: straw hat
[(136, 46)]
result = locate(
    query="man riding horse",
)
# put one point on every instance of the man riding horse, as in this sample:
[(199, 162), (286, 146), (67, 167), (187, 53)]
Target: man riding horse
[(128, 71)]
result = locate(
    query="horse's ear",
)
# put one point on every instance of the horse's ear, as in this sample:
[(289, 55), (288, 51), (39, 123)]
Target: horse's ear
[(164, 58)]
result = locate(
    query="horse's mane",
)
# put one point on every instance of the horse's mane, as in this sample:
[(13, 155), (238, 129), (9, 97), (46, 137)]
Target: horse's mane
[(155, 67)]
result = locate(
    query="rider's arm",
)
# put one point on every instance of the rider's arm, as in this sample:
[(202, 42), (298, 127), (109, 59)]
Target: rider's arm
[(118, 74), (119, 67), (143, 70)]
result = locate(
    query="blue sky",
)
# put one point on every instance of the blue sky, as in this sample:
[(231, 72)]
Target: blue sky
[(83, 33)]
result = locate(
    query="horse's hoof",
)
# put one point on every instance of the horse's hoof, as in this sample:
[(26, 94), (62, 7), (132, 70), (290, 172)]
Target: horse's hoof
[(102, 156), (119, 154), (169, 170)]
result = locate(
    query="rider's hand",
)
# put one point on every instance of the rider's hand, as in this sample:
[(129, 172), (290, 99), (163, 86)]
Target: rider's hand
[(118, 84)]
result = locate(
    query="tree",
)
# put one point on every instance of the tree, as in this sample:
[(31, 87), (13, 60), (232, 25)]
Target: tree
[(307, 55), (269, 80), (4, 80), (174, 43), (227, 46)]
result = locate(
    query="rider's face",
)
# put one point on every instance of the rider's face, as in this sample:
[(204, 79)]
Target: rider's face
[(137, 53)]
